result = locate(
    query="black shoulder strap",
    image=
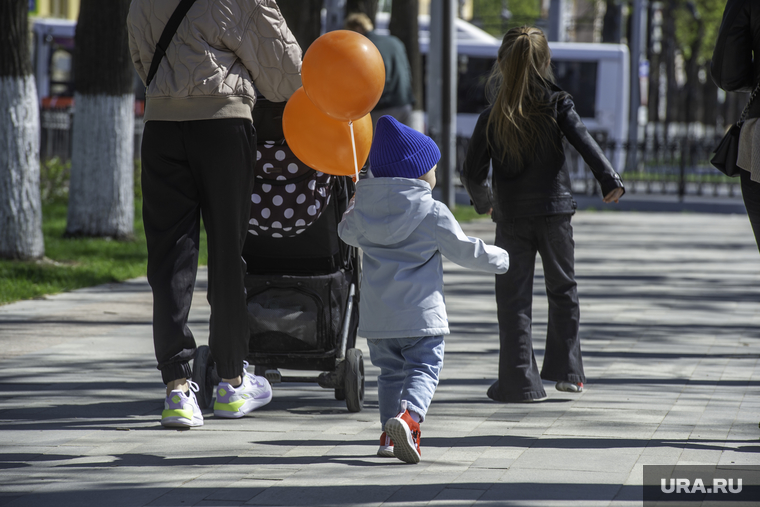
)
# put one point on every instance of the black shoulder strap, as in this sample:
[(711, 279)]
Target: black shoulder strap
[(166, 37)]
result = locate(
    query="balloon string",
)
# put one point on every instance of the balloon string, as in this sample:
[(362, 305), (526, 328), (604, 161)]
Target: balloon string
[(353, 145)]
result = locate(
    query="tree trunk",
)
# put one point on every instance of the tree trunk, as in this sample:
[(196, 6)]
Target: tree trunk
[(612, 29), (694, 102), (304, 19), (101, 193), (672, 101), (710, 93), (20, 206), (405, 25), (653, 55)]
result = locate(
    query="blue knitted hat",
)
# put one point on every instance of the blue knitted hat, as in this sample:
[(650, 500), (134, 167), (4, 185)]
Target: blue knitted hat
[(400, 151)]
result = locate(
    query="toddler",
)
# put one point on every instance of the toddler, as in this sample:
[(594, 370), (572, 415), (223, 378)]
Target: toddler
[(403, 232)]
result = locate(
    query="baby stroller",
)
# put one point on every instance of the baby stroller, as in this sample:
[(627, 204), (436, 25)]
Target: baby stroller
[(302, 281)]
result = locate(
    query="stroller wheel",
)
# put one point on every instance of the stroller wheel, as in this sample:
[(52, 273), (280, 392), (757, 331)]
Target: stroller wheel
[(340, 394), (354, 380), (204, 374)]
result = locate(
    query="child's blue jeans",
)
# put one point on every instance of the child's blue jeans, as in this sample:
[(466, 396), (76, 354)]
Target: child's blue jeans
[(409, 369)]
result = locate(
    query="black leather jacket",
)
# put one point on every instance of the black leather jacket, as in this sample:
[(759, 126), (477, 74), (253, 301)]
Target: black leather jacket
[(541, 186), (732, 67)]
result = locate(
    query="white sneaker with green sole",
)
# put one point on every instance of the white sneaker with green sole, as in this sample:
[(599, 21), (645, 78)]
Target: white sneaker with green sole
[(181, 409), (234, 402)]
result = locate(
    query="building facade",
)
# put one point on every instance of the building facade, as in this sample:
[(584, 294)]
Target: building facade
[(64, 9)]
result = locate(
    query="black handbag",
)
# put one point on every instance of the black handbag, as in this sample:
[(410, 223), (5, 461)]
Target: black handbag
[(726, 154)]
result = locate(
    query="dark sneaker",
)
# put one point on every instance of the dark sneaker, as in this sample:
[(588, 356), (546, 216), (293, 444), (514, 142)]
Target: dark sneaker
[(386, 446), (405, 433), (569, 387), (181, 409), (495, 394)]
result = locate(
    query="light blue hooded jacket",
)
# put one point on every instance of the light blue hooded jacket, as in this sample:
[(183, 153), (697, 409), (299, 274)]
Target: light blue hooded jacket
[(402, 232)]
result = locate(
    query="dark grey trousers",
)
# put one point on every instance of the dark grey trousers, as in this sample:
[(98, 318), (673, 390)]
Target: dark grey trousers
[(192, 169), (522, 238)]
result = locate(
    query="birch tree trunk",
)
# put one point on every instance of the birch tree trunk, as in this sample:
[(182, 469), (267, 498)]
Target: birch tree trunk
[(101, 193), (101, 190), (20, 206)]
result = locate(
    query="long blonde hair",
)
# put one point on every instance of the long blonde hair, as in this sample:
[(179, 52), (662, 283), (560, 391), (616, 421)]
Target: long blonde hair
[(520, 116)]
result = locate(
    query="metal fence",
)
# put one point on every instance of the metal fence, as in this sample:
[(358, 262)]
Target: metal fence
[(677, 166), (55, 133)]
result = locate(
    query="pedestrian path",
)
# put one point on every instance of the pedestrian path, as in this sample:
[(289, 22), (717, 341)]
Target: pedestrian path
[(669, 326)]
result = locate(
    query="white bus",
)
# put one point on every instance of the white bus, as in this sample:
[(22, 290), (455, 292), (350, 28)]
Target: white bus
[(596, 75)]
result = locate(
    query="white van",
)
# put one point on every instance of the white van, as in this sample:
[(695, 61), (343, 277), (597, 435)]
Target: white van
[(596, 75)]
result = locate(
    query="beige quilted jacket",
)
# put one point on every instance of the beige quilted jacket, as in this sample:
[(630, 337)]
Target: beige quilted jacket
[(222, 49)]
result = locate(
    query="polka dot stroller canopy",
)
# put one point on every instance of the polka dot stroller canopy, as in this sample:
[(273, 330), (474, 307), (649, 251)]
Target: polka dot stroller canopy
[(288, 196)]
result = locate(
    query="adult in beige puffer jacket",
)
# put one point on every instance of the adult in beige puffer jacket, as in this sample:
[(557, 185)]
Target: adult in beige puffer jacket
[(198, 152)]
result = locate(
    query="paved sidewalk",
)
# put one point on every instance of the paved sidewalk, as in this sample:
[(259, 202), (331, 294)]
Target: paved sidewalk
[(669, 325)]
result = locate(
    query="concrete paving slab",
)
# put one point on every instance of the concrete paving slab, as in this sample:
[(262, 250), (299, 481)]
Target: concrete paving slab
[(670, 342)]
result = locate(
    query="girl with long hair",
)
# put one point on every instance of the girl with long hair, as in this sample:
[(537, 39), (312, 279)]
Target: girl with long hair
[(521, 137)]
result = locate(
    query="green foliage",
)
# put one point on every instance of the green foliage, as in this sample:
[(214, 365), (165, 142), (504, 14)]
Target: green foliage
[(54, 180), (73, 263), (524, 12), (55, 175), (488, 14), (138, 180), (710, 14), (711, 177), (467, 214)]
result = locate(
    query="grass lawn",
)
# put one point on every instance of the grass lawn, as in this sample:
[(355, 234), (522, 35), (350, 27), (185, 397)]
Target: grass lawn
[(467, 214), (84, 262), (74, 263)]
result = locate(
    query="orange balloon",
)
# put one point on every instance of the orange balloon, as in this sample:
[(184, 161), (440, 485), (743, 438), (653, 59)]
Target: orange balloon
[(343, 74), (321, 142)]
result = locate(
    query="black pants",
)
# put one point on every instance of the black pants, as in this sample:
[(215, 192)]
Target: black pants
[(190, 169), (552, 238), (751, 196)]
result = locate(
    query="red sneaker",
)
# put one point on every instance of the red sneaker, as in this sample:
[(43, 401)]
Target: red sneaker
[(386, 446), (405, 433)]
